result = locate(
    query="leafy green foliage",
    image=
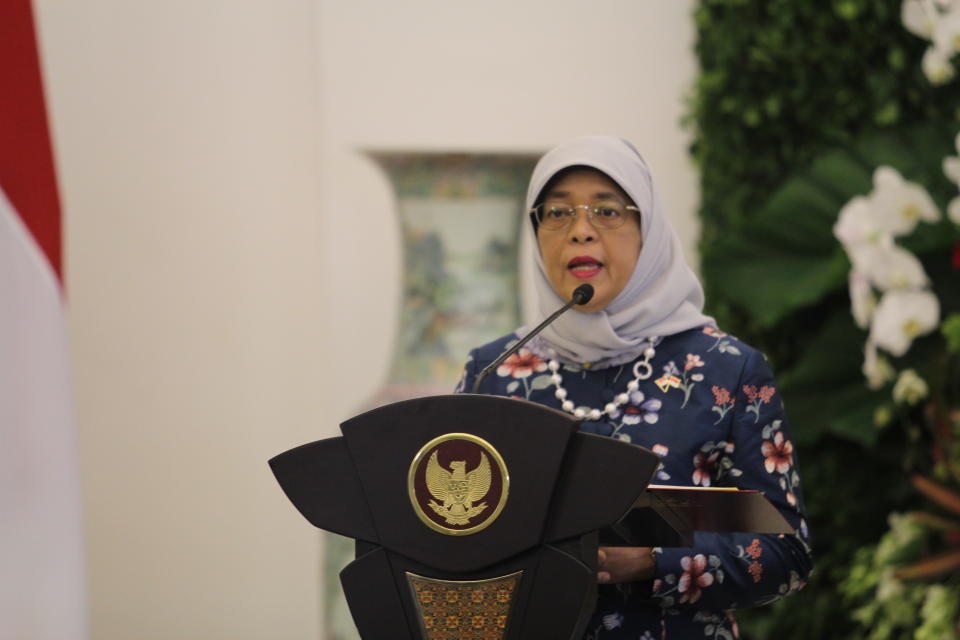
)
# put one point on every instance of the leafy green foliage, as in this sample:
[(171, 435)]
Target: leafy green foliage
[(784, 80), (892, 609), (853, 516), (951, 331), (797, 102), (804, 274)]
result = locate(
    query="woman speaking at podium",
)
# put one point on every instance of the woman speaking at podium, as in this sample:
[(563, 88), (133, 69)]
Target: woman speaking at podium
[(641, 362)]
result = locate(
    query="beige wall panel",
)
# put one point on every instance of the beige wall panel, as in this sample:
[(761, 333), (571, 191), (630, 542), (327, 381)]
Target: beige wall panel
[(233, 258), (186, 143)]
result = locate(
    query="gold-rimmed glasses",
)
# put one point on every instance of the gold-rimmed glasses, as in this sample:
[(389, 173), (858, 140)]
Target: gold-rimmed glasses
[(556, 215)]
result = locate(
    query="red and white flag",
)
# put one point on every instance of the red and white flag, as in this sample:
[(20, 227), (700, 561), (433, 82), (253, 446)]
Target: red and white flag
[(42, 577)]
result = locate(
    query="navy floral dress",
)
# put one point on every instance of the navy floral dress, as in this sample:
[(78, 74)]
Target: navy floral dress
[(711, 411)]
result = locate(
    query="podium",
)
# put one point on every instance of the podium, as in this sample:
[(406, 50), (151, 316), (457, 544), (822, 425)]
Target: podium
[(479, 517)]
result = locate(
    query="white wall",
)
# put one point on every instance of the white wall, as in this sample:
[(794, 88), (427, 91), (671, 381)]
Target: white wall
[(225, 304), (186, 142), (500, 75)]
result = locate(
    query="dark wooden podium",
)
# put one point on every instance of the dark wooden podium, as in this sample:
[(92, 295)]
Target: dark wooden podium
[(479, 517)]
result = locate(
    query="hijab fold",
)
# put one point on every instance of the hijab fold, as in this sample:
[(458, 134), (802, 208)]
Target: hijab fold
[(662, 297)]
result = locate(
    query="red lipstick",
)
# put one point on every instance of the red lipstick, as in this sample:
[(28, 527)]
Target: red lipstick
[(584, 267)]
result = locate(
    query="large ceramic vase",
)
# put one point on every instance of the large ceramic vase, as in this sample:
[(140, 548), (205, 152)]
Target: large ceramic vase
[(460, 217)]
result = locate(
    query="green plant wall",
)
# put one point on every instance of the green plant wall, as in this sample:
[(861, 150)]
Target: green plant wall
[(796, 102)]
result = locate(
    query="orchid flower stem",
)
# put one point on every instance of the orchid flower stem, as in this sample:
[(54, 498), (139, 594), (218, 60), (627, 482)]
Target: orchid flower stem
[(943, 496), (934, 521)]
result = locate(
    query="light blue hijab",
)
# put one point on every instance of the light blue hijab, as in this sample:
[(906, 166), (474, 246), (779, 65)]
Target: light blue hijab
[(662, 297)]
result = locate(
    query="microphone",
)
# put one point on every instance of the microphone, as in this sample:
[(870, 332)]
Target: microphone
[(581, 295)]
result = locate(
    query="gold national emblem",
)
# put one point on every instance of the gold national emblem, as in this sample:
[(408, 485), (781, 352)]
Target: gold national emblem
[(458, 484)]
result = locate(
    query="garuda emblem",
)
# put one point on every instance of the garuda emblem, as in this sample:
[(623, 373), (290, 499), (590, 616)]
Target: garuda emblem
[(458, 484), (458, 491)]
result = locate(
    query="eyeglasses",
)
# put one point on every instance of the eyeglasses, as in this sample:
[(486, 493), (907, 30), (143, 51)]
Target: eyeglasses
[(555, 216)]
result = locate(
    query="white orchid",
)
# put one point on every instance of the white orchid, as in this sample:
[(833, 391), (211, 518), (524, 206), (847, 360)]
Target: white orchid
[(951, 164), (898, 204), (946, 32), (857, 226), (889, 267), (953, 210), (910, 388), (901, 316), (951, 169), (863, 301), (937, 67), (876, 369), (919, 17), (938, 22)]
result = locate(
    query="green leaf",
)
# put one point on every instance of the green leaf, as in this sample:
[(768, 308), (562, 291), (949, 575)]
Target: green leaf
[(896, 58), (541, 382), (785, 257), (888, 114), (846, 9), (825, 393), (951, 332)]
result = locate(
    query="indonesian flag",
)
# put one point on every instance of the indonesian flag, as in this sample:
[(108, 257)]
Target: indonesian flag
[(42, 583)]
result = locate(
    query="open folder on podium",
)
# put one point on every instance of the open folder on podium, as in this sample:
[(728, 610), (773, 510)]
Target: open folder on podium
[(479, 517)]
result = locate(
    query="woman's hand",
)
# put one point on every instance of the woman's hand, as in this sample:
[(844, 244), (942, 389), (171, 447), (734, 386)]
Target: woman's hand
[(625, 564)]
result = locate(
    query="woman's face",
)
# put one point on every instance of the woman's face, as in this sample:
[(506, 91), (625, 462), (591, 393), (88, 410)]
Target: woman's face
[(582, 253)]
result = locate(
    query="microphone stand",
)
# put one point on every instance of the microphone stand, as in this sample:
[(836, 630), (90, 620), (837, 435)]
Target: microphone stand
[(581, 295)]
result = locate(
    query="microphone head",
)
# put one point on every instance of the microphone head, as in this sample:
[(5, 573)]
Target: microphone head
[(583, 294)]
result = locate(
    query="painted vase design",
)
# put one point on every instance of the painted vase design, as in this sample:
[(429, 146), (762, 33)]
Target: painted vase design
[(460, 220)]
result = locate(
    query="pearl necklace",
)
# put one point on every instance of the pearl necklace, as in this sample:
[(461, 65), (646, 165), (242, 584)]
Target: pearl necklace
[(641, 371)]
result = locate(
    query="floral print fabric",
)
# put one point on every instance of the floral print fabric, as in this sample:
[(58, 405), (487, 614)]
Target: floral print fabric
[(712, 412)]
